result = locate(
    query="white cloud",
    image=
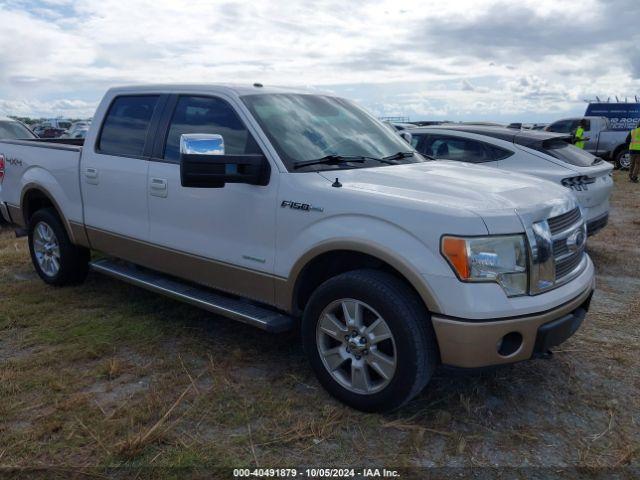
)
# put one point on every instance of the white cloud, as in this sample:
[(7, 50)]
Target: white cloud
[(436, 57), (53, 108)]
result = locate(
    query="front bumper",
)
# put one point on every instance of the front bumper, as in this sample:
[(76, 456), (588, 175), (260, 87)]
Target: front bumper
[(472, 344)]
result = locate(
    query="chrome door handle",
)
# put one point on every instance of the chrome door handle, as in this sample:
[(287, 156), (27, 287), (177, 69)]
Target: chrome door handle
[(158, 187), (91, 175)]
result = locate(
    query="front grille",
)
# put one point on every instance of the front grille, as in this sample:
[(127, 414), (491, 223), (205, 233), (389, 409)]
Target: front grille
[(564, 221), (560, 247), (562, 227), (567, 265)]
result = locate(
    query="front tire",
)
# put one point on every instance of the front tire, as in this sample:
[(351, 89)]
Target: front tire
[(369, 340), (56, 260)]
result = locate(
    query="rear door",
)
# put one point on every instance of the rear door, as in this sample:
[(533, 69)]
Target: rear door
[(113, 174)]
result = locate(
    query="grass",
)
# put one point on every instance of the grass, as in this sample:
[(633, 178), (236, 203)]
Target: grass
[(105, 378)]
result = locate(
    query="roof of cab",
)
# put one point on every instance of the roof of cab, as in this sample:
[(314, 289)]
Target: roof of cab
[(233, 89)]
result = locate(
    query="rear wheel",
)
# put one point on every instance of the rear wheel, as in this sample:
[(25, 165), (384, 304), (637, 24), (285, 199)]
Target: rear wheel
[(55, 258), (369, 340), (623, 160)]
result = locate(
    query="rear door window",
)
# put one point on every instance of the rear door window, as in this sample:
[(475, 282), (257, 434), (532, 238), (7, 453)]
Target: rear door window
[(125, 128), (455, 148), (208, 115), (498, 153)]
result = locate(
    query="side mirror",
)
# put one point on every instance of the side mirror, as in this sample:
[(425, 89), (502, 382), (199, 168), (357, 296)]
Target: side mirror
[(204, 164), (406, 136), (201, 144)]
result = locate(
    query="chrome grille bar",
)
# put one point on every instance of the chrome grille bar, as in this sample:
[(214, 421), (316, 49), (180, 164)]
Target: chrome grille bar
[(564, 221), (563, 237)]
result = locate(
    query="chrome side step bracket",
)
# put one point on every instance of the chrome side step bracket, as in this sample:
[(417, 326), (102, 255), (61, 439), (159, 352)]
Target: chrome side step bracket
[(202, 297)]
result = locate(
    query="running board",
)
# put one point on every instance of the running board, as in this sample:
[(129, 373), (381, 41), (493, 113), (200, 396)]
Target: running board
[(241, 310)]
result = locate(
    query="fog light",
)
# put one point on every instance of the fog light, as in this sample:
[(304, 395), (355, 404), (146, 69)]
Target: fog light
[(510, 344)]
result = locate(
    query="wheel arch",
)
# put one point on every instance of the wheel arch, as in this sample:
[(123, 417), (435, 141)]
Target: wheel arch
[(333, 258), (35, 197)]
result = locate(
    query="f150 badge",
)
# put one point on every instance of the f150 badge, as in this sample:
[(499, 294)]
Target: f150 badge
[(300, 206)]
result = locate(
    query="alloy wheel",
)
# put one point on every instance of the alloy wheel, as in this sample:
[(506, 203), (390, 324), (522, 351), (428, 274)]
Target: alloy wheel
[(356, 346), (47, 249)]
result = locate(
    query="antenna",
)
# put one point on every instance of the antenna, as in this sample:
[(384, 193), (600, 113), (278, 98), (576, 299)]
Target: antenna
[(598, 99)]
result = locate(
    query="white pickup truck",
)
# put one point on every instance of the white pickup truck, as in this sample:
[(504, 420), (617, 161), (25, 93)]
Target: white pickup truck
[(280, 208)]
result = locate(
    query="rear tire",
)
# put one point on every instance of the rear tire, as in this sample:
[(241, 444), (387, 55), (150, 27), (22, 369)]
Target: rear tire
[(56, 260), (622, 160), (369, 340)]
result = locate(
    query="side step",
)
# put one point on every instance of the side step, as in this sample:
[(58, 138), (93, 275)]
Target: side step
[(221, 304)]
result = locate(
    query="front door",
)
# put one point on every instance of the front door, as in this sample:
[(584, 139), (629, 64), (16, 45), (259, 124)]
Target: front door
[(220, 237)]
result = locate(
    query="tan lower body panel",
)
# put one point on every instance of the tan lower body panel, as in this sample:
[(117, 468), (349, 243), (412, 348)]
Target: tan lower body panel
[(16, 215), (4, 212), (221, 276), (76, 231), (475, 344), (78, 234)]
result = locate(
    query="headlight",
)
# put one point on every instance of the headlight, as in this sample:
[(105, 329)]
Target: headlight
[(499, 259)]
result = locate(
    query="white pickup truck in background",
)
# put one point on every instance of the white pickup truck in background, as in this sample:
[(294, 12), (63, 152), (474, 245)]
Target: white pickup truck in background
[(278, 207)]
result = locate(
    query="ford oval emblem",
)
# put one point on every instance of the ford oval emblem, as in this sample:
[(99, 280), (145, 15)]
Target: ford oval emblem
[(576, 240)]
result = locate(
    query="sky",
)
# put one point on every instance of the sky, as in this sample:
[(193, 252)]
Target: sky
[(530, 61)]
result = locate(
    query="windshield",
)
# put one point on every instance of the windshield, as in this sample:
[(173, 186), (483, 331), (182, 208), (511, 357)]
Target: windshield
[(570, 154), (14, 130), (303, 128)]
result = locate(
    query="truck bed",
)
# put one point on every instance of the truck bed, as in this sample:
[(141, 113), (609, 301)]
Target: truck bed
[(51, 166)]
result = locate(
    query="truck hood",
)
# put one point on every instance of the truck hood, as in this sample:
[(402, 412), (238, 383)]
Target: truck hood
[(495, 195)]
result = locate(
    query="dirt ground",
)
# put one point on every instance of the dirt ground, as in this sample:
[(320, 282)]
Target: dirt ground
[(104, 378)]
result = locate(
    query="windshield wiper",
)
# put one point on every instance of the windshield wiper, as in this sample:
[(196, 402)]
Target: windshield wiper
[(401, 155), (331, 160), (397, 156), (340, 159)]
